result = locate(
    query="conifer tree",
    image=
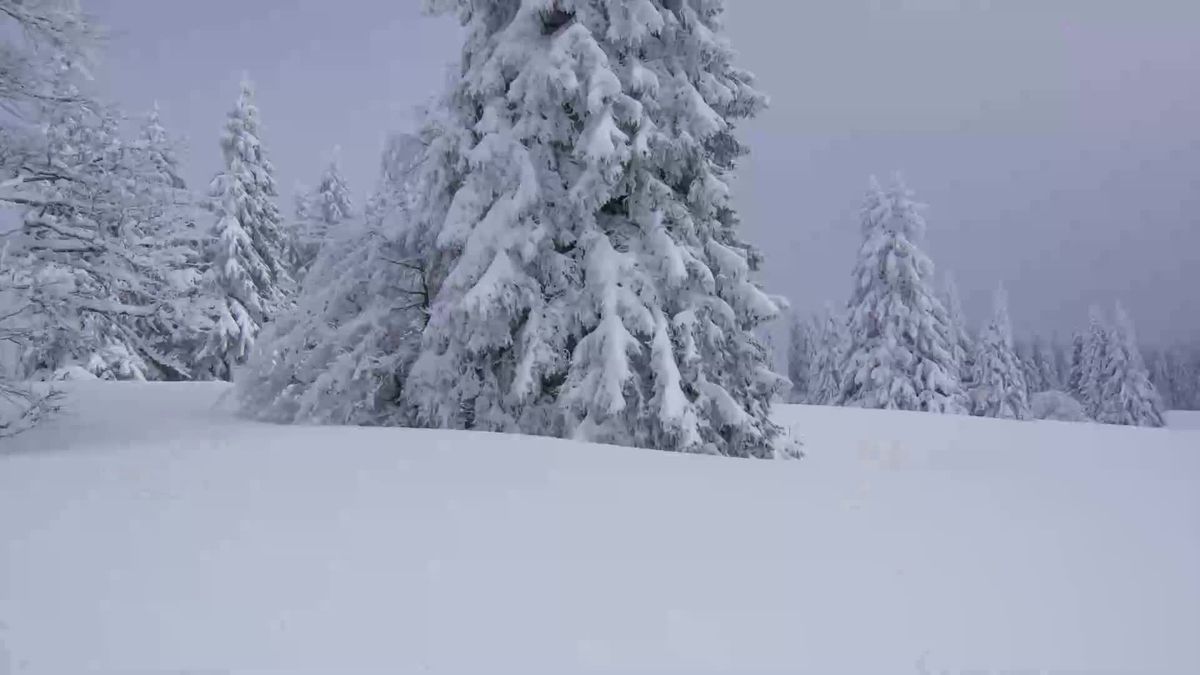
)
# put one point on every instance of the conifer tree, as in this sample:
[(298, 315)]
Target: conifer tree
[(1076, 367), (802, 352), (341, 356), (962, 344), (1045, 363), (590, 278), (247, 259), (998, 383), (901, 352), (1126, 394), (320, 212), (831, 345), (1093, 360)]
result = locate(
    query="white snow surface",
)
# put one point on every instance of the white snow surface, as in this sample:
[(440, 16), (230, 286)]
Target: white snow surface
[(147, 530), (1183, 419)]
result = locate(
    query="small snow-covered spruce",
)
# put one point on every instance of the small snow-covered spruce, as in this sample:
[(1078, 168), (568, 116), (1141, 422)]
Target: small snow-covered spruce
[(341, 355), (962, 344), (1045, 363), (831, 345), (592, 281), (1093, 359), (248, 256), (169, 234), (998, 382), (901, 352), (1161, 377), (802, 351), (1126, 394), (320, 212), (1075, 367), (1033, 375)]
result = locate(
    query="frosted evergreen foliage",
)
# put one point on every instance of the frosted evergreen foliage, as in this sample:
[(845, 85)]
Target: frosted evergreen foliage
[(1093, 359), (1033, 375), (1075, 368), (89, 258), (803, 339), (249, 253), (824, 369), (1056, 405), (962, 344), (1127, 395), (320, 212), (998, 381), (342, 354), (590, 277), (1045, 364), (902, 345)]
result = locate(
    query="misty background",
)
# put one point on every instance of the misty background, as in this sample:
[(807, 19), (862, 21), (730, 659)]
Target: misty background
[(1057, 142)]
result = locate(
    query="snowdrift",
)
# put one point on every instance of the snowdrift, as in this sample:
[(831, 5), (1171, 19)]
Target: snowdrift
[(147, 530)]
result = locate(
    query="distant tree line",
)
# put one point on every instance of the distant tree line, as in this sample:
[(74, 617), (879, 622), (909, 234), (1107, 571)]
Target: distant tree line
[(901, 343)]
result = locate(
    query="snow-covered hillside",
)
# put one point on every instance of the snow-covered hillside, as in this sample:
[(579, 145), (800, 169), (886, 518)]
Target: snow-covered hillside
[(146, 530)]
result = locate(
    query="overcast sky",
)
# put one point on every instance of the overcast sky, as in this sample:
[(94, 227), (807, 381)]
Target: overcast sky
[(1057, 142)]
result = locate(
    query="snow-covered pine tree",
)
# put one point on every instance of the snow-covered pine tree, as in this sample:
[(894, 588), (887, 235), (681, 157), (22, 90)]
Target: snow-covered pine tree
[(1093, 360), (1126, 394), (998, 382), (802, 352), (247, 259), (1047, 369), (831, 344), (901, 352), (1033, 375), (38, 40), (319, 212), (87, 250), (1161, 376), (170, 236), (962, 344), (590, 278), (342, 354), (1076, 367)]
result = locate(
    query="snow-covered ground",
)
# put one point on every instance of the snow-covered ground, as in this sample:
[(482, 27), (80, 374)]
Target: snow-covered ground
[(146, 530), (1184, 419)]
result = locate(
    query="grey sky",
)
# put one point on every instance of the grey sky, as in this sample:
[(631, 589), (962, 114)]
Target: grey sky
[(1057, 142)]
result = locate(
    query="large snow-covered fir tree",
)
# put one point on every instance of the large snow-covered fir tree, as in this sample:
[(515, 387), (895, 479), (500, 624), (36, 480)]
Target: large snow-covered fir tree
[(902, 344), (319, 212), (249, 253), (1126, 394), (341, 356), (998, 387), (590, 279)]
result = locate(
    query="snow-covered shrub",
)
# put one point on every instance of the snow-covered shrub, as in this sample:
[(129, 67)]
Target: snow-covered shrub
[(1056, 405)]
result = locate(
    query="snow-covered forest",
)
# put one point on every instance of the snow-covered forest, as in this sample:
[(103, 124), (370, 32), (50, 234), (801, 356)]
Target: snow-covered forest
[(904, 343), (554, 251), (403, 417)]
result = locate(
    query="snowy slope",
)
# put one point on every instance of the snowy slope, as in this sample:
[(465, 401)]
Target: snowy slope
[(145, 530)]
